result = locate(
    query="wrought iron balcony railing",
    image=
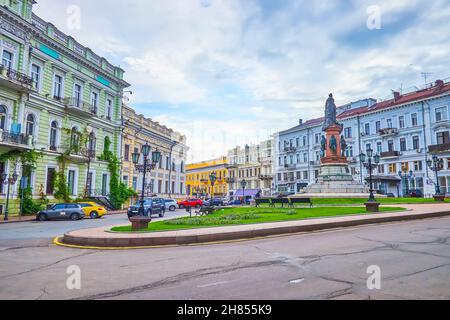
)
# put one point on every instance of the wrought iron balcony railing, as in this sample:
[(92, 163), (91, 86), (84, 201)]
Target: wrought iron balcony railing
[(439, 148), (388, 131), (265, 177), (14, 138), (79, 105), (390, 154), (16, 77)]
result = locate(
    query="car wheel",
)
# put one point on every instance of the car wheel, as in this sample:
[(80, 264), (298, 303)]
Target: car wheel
[(74, 217), (94, 215), (42, 217), (172, 208)]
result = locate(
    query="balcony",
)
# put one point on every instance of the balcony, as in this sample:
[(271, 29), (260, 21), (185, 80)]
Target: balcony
[(290, 166), (390, 154), (15, 80), (231, 166), (290, 149), (439, 148), (16, 140), (80, 107), (230, 180), (388, 132), (265, 177)]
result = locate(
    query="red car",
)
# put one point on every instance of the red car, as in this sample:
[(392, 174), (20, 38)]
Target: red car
[(190, 203)]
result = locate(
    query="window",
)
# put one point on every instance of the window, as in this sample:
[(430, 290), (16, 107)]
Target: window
[(379, 147), (405, 166), (380, 169), (53, 135), (57, 87), (389, 123), (94, 100), (51, 174), (418, 166), (305, 157), (391, 145), (71, 182), (36, 75), (104, 184), (167, 163), (77, 94), (3, 117), (305, 175), (108, 109), (304, 141), (378, 126), (368, 146), (92, 142), (393, 168), (402, 144), (297, 142), (30, 125), (74, 138), (125, 180), (367, 128), (348, 132), (7, 59), (443, 137), (416, 143), (441, 114), (127, 152), (317, 138), (414, 121), (135, 181), (401, 122)]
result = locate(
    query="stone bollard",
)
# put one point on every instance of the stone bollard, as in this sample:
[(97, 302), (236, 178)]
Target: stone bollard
[(140, 223), (373, 207)]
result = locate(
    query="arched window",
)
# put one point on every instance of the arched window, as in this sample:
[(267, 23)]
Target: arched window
[(53, 135), (92, 141), (31, 123), (3, 115)]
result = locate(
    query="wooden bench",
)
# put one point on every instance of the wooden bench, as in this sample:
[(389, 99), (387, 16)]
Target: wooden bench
[(294, 201), (261, 201), (291, 202)]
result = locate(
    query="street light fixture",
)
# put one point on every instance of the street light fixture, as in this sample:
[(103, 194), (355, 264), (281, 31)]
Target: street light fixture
[(372, 162), (436, 165), (9, 180), (147, 167), (407, 177), (213, 179), (244, 185)]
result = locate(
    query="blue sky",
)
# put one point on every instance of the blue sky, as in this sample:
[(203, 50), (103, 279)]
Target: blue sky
[(232, 72)]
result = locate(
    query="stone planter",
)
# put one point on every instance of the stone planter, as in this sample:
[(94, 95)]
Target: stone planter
[(439, 198), (373, 207), (139, 223)]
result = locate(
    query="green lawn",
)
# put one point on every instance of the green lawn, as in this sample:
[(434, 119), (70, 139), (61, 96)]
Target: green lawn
[(359, 201), (248, 215)]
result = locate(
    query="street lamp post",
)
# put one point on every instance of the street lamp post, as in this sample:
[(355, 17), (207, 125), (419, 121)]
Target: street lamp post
[(147, 167), (436, 165), (406, 177), (372, 160), (213, 179), (9, 180), (243, 184)]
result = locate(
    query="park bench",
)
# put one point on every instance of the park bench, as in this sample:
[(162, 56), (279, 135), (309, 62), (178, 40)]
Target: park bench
[(261, 201), (291, 202), (294, 201)]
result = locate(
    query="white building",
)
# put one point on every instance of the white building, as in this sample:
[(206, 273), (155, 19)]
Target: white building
[(406, 131)]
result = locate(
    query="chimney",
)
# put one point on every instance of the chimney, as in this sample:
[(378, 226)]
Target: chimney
[(397, 96), (300, 122), (439, 84)]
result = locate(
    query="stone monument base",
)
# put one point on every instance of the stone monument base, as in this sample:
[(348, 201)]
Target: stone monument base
[(335, 180)]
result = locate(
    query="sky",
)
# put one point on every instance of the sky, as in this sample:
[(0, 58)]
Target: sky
[(234, 72)]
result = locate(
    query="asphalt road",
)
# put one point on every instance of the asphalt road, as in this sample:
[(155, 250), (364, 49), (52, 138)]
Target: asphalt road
[(414, 259)]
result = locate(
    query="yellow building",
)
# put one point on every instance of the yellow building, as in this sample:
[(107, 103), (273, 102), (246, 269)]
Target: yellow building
[(198, 182)]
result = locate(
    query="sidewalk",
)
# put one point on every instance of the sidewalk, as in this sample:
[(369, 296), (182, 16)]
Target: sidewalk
[(103, 238)]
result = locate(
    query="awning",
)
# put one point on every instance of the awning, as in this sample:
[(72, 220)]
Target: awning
[(247, 193), (385, 178)]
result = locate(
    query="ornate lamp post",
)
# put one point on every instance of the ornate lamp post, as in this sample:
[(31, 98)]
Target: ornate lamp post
[(213, 179), (9, 180), (372, 161), (243, 185), (406, 176), (436, 165), (147, 167)]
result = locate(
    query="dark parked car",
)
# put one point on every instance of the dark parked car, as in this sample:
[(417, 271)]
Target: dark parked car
[(62, 211), (417, 193), (218, 202), (151, 207)]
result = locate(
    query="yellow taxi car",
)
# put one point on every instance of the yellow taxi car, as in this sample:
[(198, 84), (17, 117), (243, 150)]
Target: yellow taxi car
[(93, 210)]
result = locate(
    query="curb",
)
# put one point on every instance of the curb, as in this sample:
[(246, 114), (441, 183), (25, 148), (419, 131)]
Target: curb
[(222, 237)]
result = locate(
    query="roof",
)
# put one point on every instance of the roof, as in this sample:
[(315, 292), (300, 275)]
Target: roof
[(439, 88)]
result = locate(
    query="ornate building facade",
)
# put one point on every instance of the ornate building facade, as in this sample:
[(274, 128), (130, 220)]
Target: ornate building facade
[(405, 131), (168, 179), (198, 181), (57, 97)]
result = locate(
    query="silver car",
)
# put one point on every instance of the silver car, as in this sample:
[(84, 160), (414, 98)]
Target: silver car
[(170, 204), (62, 211)]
